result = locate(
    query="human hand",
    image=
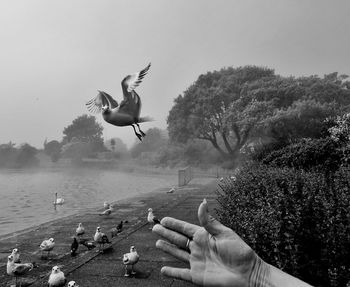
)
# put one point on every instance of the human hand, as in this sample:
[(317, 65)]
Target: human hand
[(216, 254)]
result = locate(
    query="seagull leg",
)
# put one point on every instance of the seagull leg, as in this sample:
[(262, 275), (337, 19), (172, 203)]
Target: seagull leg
[(132, 270), (142, 133), (126, 271), (136, 133)]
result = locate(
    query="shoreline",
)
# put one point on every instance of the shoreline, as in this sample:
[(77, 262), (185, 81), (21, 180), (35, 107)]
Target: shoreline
[(27, 195), (133, 209), (50, 222)]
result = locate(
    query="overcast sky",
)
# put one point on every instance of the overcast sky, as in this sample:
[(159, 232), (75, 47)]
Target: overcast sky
[(55, 55)]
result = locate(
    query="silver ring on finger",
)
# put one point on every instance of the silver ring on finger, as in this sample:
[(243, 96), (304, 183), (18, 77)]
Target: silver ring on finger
[(187, 247)]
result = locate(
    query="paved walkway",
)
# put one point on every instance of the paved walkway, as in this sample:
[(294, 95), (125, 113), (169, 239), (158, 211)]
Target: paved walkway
[(93, 269)]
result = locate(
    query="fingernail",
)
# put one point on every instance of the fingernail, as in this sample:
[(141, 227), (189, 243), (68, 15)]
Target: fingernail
[(204, 201)]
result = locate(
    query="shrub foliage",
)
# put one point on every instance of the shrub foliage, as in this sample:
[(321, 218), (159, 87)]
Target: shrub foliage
[(294, 219)]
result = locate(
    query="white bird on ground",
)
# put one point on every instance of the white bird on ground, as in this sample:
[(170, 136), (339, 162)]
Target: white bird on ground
[(57, 278), (17, 269), (107, 212), (15, 254), (80, 229), (130, 259), (100, 238), (72, 284), (47, 245), (151, 218), (171, 190), (58, 200)]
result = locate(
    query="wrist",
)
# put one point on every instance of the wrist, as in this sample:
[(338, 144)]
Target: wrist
[(260, 275), (266, 275)]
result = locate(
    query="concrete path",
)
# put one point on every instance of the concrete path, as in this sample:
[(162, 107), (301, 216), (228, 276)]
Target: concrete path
[(94, 269)]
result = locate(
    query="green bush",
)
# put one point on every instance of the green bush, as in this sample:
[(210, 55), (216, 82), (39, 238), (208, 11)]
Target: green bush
[(293, 219), (322, 154)]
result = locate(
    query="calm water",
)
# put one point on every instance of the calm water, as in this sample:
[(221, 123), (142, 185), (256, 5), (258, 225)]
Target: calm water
[(26, 198)]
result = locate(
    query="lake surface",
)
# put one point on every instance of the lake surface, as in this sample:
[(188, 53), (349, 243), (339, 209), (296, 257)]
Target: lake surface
[(26, 197)]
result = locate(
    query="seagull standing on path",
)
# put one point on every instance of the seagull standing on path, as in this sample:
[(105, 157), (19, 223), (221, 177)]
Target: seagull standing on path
[(128, 112), (15, 254), (120, 226), (151, 218), (80, 230), (116, 230), (74, 247), (57, 278), (130, 259), (47, 245), (17, 269), (100, 238)]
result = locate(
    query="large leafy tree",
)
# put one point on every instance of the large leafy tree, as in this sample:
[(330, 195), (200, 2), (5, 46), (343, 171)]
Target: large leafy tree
[(85, 129), (233, 106)]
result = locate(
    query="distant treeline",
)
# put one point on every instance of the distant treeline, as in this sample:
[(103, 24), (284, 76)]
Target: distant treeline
[(23, 156)]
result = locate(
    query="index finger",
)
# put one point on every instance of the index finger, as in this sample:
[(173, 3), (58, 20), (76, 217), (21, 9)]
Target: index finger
[(180, 226)]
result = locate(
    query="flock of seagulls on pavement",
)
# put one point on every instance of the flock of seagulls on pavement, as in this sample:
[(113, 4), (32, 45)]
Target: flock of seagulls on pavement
[(57, 278)]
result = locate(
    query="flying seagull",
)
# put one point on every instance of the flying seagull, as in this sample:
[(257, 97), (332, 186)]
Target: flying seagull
[(128, 112)]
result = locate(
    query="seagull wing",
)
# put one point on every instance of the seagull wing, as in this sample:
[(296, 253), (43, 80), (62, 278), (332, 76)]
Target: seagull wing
[(20, 269), (102, 99), (44, 244), (130, 82), (126, 258)]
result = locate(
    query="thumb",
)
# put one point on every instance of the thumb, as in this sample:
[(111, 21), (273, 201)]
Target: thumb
[(210, 224)]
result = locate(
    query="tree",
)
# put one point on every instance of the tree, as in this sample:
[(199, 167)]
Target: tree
[(85, 129), (52, 149), (213, 109), (233, 106), (118, 147), (8, 154), (76, 150), (26, 156)]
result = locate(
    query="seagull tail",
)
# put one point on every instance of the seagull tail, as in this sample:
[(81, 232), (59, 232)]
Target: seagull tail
[(145, 119)]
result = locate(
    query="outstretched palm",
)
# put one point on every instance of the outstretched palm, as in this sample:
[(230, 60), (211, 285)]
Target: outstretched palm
[(217, 255)]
